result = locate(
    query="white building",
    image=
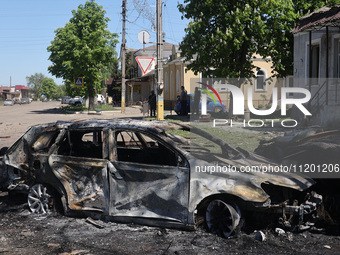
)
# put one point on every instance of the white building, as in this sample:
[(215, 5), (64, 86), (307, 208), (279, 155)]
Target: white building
[(317, 63)]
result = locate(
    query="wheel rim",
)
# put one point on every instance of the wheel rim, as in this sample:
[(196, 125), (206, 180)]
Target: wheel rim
[(222, 218), (39, 199)]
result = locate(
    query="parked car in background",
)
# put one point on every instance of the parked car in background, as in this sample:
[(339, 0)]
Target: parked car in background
[(65, 99), (25, 100), (77, 101), (9, 102), (100, 99), (211, 106)]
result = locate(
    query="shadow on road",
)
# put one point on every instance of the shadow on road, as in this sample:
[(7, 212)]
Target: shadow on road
[(48, 111)]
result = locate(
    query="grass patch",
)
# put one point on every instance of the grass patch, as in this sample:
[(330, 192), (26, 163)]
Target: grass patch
[(183, 133), (236, 137), (246, 139), (74, 108), (107, 107)]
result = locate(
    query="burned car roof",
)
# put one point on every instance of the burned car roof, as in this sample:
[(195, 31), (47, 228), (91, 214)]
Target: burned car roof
[(153, 126), (142, 170)]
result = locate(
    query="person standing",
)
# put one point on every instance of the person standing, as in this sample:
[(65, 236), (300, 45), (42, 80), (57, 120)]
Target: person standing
[(184, 99), (152, 103)]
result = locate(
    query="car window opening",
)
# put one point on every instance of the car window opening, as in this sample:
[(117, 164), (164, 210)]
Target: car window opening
[(140, 148), (82, 144)]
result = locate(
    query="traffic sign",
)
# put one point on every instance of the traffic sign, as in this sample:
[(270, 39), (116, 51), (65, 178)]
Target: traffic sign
[(144, 63), (79, 82), (143, 37)]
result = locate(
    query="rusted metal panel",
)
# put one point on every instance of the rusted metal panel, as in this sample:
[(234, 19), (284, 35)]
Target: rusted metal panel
[(143, 191), (85, 182)]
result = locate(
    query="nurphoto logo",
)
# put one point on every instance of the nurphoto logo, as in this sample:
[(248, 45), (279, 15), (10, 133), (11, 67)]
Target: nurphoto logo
[(242, 99)]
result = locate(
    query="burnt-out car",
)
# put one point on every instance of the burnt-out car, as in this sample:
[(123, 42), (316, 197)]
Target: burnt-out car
[(144, 172)]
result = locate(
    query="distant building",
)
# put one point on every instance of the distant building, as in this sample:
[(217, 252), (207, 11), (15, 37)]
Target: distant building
[(24, 91), (176, 74), (140, 87), (19, 91)]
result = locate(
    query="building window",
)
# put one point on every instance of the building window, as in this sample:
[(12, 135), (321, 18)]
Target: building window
[(166, 82), (315, 61), (178, 81), (260, 81)]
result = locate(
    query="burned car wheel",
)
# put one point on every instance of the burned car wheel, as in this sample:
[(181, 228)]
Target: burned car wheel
[(40, 199), (222, 218)]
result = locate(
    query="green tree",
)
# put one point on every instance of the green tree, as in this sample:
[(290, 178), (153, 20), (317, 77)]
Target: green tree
[(61, 91), (114, 90), (225, 34), (84, 48), (34, 82), (48, 88)]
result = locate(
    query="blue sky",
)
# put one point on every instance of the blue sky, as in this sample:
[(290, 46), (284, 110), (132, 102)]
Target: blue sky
[(27, 28)]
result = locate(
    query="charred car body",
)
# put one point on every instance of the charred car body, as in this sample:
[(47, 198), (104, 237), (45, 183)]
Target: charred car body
[(143, 172)]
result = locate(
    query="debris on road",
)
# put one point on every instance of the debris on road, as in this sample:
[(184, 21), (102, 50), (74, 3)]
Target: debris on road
[(95, 223)]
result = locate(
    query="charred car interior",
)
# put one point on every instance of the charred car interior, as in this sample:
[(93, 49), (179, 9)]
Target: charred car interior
[(144, 172)]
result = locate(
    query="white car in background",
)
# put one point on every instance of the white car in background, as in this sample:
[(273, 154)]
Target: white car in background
[(9, 102), (77, 101)]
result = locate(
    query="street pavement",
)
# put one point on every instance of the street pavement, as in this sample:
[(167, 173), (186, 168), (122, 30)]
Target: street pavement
[(14, 120)]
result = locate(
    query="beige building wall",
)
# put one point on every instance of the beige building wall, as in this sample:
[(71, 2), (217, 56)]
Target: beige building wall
[(262, 96), (176, 74)]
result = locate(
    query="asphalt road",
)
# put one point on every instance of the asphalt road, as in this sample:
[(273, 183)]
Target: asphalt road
[(14, 120)]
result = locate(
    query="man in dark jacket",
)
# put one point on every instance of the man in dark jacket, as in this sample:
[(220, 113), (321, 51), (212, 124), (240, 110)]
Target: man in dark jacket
[(152, 104), (184, 99)]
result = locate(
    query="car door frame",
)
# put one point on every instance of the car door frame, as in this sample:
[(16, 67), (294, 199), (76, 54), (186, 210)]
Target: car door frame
[(84, 180), (134, 186)]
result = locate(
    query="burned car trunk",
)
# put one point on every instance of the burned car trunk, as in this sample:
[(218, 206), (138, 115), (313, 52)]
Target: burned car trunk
[(139, 171)]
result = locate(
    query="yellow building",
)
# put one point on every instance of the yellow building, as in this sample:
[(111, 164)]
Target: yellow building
[(176, 74)]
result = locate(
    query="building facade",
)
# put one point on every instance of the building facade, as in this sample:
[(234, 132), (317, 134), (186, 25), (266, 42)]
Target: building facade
[(317, 62)]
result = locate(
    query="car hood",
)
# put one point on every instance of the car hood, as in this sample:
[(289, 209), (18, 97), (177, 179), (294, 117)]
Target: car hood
[(242, 178)]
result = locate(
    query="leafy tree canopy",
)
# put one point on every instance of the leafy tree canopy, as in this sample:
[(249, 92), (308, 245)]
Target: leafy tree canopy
[(61, 91), (35, 81), (48, 88), (84, 48), (224, 35)]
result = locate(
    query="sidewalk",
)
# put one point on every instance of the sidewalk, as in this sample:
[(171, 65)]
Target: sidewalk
[(131, 112)]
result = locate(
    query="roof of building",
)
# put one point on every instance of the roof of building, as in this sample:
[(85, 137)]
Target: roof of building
[(323, 17), (165, 47), (21, 87), (2, 89)]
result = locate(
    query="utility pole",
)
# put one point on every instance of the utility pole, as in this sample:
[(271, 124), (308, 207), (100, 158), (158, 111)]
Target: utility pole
[(122, 52), (160, 99)]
